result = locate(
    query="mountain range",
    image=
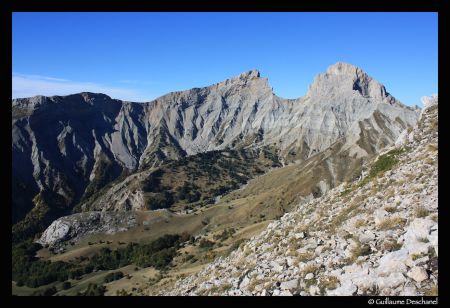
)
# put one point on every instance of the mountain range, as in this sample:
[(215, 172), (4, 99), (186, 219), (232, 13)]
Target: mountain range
[(198, 172)]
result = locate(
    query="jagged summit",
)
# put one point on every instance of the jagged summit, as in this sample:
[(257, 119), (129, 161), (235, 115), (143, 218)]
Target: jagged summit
[(342, 68), (348, 80), (246, 78)]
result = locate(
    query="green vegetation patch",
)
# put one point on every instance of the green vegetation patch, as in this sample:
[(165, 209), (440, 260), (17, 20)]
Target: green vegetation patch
[(384, 163), (33, 272), (206, 244), (48, 207), (196, 180)]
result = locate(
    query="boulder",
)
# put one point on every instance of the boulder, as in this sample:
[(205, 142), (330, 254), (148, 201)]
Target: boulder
[(392, 281), (346, 289), (285, 293), (366, 237), (418, 274), (289, 285), (393, 262), (314, 290)]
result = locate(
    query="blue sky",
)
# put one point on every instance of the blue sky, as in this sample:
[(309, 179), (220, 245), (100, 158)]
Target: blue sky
[(140, 56)]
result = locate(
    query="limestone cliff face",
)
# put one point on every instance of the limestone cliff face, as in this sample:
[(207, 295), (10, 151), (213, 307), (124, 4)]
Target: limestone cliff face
[(74, 145)]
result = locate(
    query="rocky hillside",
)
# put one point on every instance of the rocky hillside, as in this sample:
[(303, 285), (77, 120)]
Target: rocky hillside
[(375, 236), (67, 149)]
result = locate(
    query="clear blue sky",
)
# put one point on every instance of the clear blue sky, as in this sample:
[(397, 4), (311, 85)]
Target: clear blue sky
[(140, 56)]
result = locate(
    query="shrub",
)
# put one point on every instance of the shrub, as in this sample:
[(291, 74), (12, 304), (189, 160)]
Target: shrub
[(66, 285), (122, 292), (46, 292), (94, 290), (153, 182), (159, 200), (206, 244), (226, 233), (113, 276)]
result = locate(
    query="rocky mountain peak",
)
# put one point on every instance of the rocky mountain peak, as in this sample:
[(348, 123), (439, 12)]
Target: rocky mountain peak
[(89, 96), (251, 74), (343, 79), (248, 79), (342, 68)]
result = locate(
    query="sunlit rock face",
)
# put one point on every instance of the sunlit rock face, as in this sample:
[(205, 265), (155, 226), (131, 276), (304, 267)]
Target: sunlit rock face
[(74, 145)]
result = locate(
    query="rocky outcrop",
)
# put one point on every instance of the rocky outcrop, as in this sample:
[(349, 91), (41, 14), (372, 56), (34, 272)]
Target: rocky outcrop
[(375, 236), (74, 227)]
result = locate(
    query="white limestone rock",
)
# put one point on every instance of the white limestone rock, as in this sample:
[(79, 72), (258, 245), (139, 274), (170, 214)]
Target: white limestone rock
[(419, 274), (289, 285), (76, 226)]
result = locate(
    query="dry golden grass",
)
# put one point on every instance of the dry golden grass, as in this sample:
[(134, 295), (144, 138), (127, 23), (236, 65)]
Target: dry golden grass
[(390, 209), (304, 257), (359, 223), (310, 268), (390, 245), (391, 223), (360, 250), (253, 283), (291, 253), (434, 124), (433, 291), (329, 283), (432, 147), (421, 212), (390, 193), (220, 289), (429, 161), (434, 217)]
